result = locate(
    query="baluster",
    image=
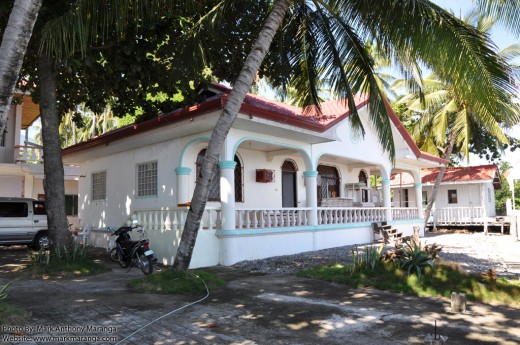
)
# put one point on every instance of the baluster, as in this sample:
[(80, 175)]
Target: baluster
[(267, 214), (167, 222), (281, 221), (240, 220), (175, 222), (33, 155), (255, 219), (247, 215), (156, 220), (294, 218)]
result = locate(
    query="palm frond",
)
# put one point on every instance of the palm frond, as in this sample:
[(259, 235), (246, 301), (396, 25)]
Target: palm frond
[(92, 22)]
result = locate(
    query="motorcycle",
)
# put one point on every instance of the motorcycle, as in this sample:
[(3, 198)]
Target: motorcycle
[(130, 253)]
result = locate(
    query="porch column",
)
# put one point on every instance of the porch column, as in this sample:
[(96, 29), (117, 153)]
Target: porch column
[(227, 194), (311, 192), (28, 186), (387, 201), (418, 199), (183, 175)]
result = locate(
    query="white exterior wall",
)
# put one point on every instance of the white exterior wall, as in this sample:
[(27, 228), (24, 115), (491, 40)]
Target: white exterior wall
[(12, 186), (468, 195)]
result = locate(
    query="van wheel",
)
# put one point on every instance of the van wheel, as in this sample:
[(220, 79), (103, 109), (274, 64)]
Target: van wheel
[(41, 241)]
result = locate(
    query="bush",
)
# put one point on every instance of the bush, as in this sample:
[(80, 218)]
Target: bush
[(367, 259), (413, 258)]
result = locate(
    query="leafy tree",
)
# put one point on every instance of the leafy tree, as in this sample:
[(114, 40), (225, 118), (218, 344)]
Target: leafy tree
[(504, 193), (109, 29)]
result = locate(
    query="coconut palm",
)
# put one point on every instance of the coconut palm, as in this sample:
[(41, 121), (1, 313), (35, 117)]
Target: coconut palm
[(12, 50), (446, 119)]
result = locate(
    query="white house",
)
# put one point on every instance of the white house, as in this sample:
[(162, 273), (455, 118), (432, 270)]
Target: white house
[(466, 195), (21, 165), (289, 181)]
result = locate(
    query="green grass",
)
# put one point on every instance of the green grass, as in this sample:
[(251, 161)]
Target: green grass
[(441, 281), (177, 282), (10, 315), (66, 269)]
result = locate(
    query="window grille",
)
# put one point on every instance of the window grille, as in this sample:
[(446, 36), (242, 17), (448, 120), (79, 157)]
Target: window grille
[(99, 185), (147, 179)]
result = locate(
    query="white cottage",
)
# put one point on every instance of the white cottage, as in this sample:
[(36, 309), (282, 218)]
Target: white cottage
[(466, 195), (21, 165), (289, 182)]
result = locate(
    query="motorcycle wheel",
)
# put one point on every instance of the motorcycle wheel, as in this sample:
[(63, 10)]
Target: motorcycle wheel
[(145, 264), (113, 254), (121, 259)]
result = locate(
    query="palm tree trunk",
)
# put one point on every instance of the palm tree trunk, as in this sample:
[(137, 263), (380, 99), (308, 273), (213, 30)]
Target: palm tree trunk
[(437, 185), (53, 184), (12, 50), (216, 143)]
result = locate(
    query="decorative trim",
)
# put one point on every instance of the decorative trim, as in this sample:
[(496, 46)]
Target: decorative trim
[(310, 173), (385, 182), (182, 171), (188, 144), (418, 185), (227, 164), (307, 158)]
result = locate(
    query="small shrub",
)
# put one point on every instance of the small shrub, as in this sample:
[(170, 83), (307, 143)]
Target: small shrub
[(411, 257), (415, 259), (367, 259)]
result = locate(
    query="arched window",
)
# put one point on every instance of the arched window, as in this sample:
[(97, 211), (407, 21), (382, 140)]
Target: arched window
[(214, 189), (328, 182)]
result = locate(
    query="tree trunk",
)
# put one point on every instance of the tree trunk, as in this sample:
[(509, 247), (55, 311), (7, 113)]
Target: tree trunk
[(53, 184), (437, 185), (216, 143), (12, 50)]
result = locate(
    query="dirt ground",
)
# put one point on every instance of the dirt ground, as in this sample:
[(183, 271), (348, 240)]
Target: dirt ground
[(252, 309)]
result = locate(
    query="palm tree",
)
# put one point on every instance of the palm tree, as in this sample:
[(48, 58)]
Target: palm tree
[(446, 119), (12, 50)]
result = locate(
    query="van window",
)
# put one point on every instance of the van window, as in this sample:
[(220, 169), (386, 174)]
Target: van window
[(14, 209), (39, 207)]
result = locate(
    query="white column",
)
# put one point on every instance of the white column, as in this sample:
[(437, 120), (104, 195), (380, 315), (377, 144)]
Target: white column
[(311, 192), (28, 186), (387, 200), (227, 194), (418, 199), (183, 175)]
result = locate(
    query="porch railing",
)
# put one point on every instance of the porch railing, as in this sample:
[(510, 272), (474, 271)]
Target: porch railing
[(28, 154), (342, 215), (404, 213), (458, 214), (258, 218), (272, 217), (174, 218)]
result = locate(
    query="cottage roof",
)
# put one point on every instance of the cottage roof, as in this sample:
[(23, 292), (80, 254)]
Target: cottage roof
[(479, 173), (332, 112)]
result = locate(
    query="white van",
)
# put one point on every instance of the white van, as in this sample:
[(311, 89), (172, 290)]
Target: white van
[(23, 221)]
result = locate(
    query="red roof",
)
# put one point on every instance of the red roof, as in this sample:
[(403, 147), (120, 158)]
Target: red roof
[(309, 118), (456, 174)]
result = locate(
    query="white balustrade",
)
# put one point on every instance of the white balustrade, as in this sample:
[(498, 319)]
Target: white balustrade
[(259, 218), (404, 213), (343, 215), (174, 218), (458, 214), (28, 154)]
